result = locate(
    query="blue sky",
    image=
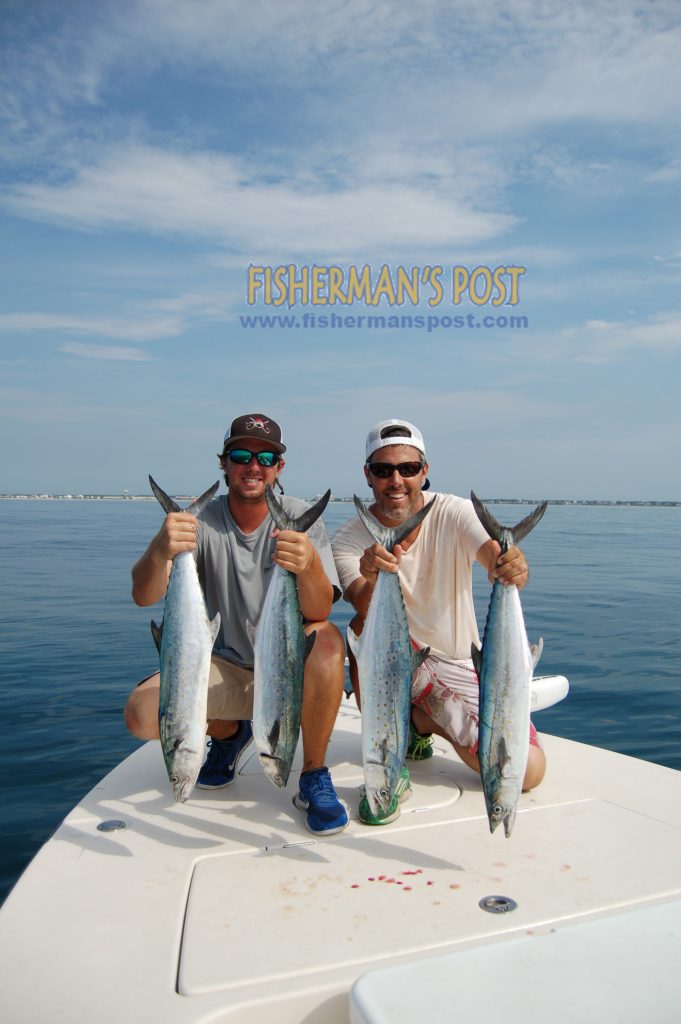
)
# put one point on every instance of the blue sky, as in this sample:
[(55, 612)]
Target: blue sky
[(153, 150)]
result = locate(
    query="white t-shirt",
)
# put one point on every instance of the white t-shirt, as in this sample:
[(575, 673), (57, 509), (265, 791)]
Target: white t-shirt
[(435, 573)]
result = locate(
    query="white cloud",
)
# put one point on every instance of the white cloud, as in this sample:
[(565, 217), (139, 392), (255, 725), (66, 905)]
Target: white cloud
[(215, 197), (444, 74), (602, 341), (134, 355), (108, 327)]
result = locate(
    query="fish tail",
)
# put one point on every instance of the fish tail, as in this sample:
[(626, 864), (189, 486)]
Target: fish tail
[(526, 525), (301, 523), (169, 504), (386, 536), (507, 535), (197, 506)]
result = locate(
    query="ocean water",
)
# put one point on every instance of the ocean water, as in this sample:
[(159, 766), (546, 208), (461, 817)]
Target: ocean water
[(604, 594)]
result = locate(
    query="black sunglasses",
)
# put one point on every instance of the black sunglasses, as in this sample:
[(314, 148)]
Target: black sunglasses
[(242, 457), (383, 470)]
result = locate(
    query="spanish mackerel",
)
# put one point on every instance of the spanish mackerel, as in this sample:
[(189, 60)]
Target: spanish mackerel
[(281, 648), (185, 642), (386, 661), (504, 666)]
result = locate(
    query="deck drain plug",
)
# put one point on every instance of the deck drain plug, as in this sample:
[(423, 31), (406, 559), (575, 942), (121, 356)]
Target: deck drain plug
[(498, 904), (114, 825)]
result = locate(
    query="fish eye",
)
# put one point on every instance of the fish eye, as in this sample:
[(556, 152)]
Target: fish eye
[(383, 793), (497, 811), (174, 780)]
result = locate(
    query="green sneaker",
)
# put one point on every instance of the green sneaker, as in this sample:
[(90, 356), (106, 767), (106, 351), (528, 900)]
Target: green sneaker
[(420, 745), (402, 793)]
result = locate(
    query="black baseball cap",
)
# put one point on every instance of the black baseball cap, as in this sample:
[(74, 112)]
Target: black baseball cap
[(255, 424)]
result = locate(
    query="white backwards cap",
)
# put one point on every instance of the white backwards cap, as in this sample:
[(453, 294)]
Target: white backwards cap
[(384, 434)]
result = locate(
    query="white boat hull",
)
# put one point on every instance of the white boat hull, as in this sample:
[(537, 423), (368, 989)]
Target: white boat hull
[(225, 909)]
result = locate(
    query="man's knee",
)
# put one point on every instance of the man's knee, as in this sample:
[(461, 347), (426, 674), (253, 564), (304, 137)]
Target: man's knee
[(141, 712), (536, 768), (328, 648)]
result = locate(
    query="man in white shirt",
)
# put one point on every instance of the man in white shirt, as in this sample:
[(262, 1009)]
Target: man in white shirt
[(435, 564)]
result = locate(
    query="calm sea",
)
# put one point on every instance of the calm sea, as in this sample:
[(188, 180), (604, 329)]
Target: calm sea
[(604, 594)]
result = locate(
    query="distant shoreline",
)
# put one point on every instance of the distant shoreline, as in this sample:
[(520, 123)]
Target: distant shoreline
[(604, 502)]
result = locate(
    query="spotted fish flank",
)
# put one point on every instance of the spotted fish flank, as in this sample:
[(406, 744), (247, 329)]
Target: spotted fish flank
[(504, 666), (281, 648), (185, 643), (386, 661)]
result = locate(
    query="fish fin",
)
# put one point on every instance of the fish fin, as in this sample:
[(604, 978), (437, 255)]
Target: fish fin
[(418, 657), (509, 821), (197, 506), (353, 641), (506, 536), (309, 644), (157, 633), (492, 525), (476, 655), (504, 757), (273, 735), (169, 504), (301, 523), (385, 536), (524, 527), (310, 516), (536, 650), (214, 627), (250, 631)]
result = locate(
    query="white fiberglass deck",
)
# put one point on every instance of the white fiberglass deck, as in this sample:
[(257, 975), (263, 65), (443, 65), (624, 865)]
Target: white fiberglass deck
[(227, 909)]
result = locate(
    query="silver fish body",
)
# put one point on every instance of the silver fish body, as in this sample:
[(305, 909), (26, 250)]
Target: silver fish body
[(281, 649), (504, 665), (185, 643), (386, 662)]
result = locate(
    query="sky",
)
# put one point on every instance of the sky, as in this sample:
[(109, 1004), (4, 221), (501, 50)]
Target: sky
[(157, 152)]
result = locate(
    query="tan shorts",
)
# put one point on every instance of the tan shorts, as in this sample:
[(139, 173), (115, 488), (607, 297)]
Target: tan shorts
[(230, 690)]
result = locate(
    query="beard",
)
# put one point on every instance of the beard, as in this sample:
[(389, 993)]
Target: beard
[(247, 499), (398, 515)]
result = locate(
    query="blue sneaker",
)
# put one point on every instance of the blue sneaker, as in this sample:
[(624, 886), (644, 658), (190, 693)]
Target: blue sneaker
[(326, 815), (221, 765)]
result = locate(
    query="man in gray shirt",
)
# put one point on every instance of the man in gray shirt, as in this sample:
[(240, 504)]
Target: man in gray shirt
[(236, 553)]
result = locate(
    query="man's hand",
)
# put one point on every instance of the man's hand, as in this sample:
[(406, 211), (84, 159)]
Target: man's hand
[(151, 572), (177, 534), (509, 568), (378, 559), (294, 551)]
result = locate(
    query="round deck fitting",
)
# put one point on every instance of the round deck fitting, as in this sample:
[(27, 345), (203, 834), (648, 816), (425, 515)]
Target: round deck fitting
[(498, 904), (113, 825)]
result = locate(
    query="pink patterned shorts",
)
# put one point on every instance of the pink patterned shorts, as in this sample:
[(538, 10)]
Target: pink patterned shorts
[(448, 692)]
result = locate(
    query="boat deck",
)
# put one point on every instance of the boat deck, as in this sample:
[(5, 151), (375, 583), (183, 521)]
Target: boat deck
[(225, 909)]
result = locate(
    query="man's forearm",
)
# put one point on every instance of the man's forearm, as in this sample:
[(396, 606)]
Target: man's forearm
[(359, 594), (149, 579), (315, 592)]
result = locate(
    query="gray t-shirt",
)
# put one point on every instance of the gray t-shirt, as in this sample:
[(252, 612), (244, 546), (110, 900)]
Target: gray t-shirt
[(235, 569)]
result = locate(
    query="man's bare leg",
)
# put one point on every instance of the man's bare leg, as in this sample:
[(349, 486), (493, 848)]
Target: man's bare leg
[(536, 761), (322, 692)]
